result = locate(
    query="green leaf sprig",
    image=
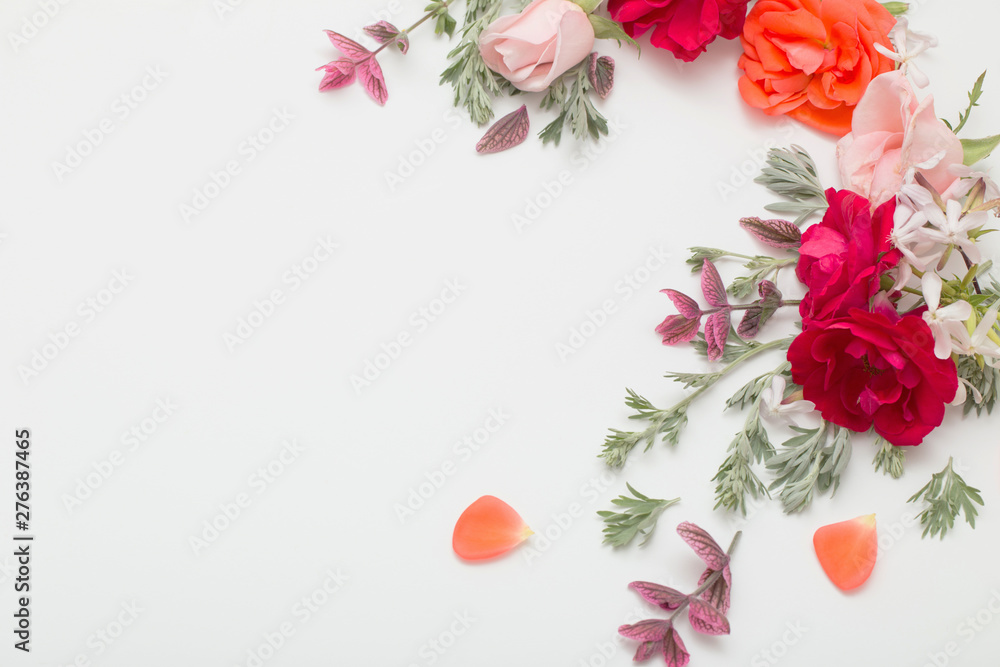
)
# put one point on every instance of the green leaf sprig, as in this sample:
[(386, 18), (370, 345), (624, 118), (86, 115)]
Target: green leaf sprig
[(637, 518), (791, 173), (946, 496)]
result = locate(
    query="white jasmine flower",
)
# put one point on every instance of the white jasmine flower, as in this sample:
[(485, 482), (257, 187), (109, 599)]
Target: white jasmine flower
[(902, 39), (978, 341), (950, 227), (775, 408), (942, 320)]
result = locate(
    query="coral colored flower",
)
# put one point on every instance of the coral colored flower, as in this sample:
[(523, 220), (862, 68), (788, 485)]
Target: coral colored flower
[(891, 133), (875, 369), (683, 27), (843, 256), (533, 48), (813, 59)]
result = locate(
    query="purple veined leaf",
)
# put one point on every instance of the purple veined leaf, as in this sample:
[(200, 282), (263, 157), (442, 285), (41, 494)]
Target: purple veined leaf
[(649, 630), (662, 596), (717, 333), (509, 131), (677, 329), (753, 319), (646, 651), (717, 594), (775, 233), (382, 32), (703, 544), (706, 619), (769, 293), (757, 314), (684, 304), (370, 75), (674, 651), (339, 73), (712, 287), (348, 46), (601, 74)]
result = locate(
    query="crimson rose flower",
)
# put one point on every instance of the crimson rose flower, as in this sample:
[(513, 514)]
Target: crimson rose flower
[(684, 27), (875, 369), (843, 257)]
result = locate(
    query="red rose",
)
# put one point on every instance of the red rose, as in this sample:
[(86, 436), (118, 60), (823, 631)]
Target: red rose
[(684, 27), (875, 369), (843, 257)]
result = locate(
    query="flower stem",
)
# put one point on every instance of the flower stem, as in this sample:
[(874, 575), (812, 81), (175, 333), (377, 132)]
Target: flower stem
[(749, 354), (968, 265), (413, 27), (712, 578), (748, 306)]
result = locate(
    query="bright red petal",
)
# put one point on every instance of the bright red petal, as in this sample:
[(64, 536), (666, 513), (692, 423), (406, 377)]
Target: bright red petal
[(847, 551), (488, 528)]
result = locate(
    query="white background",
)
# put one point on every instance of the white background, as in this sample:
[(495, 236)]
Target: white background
[(682, 131)]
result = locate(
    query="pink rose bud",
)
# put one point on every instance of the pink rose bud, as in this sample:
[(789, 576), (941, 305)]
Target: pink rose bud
[(533, 48)]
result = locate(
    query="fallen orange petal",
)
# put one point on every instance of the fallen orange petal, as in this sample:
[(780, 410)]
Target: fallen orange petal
[(847, 551), (488, 528)]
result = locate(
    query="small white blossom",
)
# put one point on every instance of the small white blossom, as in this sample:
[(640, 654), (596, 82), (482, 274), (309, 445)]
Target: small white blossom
[(909, 236), (978, 342), (902, 38), (774, 407), (968, 178), (950, 227), (940, 320)]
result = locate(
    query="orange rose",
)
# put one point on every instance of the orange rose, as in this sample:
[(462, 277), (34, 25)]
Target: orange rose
[(813, 59)]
